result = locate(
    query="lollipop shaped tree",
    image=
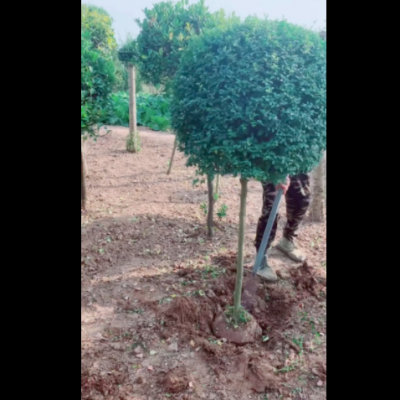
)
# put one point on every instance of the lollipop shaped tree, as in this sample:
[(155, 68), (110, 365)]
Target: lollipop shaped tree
[(250, 101)]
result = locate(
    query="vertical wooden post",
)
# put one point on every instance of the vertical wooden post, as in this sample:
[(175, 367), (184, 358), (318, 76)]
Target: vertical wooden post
[(132, 143)]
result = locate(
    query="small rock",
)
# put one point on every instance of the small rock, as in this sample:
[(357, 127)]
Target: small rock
[(137, 350), (320, 383)]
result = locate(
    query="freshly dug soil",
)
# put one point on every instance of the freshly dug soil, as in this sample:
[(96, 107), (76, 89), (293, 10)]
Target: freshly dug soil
[(243, 334)]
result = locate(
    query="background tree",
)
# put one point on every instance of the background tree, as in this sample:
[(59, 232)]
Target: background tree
[(97, 74), (249, 99), (165, 32)]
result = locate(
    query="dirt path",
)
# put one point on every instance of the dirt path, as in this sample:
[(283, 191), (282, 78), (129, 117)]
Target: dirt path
[(151, 283)]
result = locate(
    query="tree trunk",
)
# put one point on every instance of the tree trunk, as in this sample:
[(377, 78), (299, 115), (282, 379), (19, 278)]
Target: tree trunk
[(210, 214), (240, 254), (172, 156), (217, 186), (83, 151), (83, 183), (132, 143), (317, 201)]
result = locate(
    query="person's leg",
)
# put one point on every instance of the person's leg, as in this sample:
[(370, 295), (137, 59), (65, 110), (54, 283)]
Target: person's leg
[(269, 194), (297, 203)]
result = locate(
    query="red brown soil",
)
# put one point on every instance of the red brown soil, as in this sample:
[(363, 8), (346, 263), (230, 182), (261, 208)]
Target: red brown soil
[(242, 334), (152, 284)]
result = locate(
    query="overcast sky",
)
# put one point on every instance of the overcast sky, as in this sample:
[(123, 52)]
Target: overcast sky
[(310, 13)]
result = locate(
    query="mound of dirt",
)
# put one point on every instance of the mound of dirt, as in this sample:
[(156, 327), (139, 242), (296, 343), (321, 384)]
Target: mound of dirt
[(261, 375), (177, 380), (305, 278), (183, 310), (243, 334)]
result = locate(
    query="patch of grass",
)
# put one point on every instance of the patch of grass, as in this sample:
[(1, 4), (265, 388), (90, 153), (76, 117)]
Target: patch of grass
[(212, 271)]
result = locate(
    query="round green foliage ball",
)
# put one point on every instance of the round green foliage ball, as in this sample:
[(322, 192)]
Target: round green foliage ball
[(250, 99)]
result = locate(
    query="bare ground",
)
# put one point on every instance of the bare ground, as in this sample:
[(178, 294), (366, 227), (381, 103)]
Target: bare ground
[(152, 283)]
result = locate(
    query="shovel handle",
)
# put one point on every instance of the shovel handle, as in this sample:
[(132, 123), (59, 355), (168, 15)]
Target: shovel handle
[(267, 232)]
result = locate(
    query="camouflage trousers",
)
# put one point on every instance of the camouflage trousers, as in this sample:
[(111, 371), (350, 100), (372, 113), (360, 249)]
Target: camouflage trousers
[(297, 201)]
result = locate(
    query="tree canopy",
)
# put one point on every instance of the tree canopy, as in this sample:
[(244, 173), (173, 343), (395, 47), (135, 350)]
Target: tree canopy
[(97, 66), (250, 99), (165, 32)]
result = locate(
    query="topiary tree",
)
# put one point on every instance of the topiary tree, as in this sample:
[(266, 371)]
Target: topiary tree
[(250, 100)]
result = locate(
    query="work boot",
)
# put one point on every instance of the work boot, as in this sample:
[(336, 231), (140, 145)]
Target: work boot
[(291, 250), (266, 272)]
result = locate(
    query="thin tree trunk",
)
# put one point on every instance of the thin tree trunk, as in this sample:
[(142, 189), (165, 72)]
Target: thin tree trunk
[(83, 183), (83, 151), (132, 144), (240, 254), (210, 214), (172, 156), (317, 201), (217, 185)]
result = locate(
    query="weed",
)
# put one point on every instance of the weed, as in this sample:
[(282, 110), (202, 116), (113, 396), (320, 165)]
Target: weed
[(299, 342), (212, 271), (204, 208), (222, 211), (288, 368)]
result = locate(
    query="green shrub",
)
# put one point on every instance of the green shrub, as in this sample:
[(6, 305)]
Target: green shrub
[(152, 111)]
